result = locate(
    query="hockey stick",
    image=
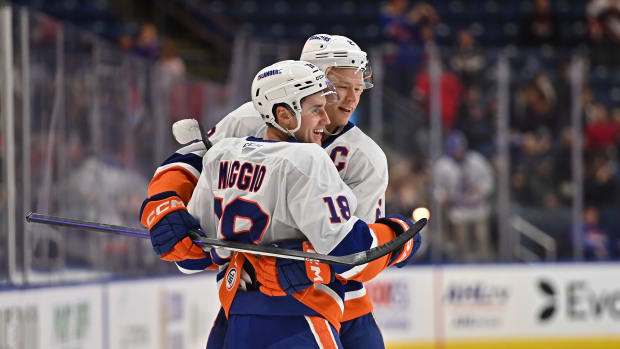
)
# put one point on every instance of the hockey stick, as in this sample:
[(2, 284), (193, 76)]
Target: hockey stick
[(350, 260), (189, 130)]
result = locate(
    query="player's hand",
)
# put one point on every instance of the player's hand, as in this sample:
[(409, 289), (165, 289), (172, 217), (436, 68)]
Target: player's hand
[(280, 276), (400, 224), (168, 222)]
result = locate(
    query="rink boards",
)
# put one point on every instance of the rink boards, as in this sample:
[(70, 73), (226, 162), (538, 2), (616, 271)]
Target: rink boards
[(474, 306)]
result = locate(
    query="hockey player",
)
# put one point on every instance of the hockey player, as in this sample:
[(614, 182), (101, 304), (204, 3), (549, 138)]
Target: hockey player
[(360, 161), (289, 191)]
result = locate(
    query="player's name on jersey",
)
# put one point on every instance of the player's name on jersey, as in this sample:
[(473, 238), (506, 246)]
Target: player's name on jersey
[(241, 175)]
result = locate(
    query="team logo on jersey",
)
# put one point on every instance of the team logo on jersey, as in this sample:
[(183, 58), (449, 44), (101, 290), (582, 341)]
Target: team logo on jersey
[(231, 276), (269, 73), (337, 153)]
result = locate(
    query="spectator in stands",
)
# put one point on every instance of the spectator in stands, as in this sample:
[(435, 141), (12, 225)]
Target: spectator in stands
[(170, 62), (172, 69), (409, 185), (601, 133), (475, 121), (600, 182), (532, 183), (451, 89), (535, 106), (468, 62), (406, 29), (397, 26), (540, 27), (405, 25), (596, 242), (465, 182), (147, 43), (125, 43), (604, 31)]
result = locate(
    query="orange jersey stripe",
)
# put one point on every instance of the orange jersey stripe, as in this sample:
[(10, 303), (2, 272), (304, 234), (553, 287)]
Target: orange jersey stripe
[(230, 282), (322, 302), (357, 307), (322, 333), (175, 178)]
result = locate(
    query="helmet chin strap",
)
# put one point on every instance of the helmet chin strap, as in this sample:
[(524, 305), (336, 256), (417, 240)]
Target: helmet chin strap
[(291, 132), (337, 132)]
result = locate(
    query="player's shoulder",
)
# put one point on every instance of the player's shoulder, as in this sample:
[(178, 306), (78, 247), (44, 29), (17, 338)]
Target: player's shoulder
[(241, 122), (306, 152), (245, 116), (308, 158), (246, 110), (360, 145)]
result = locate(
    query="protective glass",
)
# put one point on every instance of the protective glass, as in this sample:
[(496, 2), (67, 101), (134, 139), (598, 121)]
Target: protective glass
[(330, 92), (368, 79), (345, 83)]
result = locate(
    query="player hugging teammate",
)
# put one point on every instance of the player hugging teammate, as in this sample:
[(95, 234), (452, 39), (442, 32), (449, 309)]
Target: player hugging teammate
[(297, 174)]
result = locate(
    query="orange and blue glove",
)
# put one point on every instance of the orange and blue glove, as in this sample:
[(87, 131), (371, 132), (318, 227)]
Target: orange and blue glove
[(399, 224), (169, 223), (281, 277)]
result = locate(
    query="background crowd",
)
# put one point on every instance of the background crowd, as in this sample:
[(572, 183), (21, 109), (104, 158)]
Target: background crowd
[(185, 49)]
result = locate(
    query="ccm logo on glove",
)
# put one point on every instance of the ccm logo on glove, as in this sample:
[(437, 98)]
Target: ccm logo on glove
[(161, 208)]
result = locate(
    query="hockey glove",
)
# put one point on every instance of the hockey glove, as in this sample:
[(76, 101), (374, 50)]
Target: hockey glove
[(399, 224), (281, 277), (168, 221)]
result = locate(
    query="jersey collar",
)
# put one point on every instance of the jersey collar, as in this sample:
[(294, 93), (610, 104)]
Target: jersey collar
[(256, 139), (331, 139)]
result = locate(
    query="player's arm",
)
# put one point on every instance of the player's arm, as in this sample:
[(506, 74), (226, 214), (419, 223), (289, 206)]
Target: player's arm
[(330, 227), (179, 172), (363, 236), (367, 176), (164, 212), (321, 205)]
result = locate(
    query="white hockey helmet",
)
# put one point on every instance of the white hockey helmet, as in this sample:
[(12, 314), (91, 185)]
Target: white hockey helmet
[(325, 51), (288, 82)]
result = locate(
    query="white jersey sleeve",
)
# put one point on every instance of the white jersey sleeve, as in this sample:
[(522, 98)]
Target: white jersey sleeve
[(242, 122), (320, 203), (362, 165)]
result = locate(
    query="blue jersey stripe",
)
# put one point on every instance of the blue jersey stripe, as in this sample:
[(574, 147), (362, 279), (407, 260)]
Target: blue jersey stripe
[(191, 159), (331, 139)]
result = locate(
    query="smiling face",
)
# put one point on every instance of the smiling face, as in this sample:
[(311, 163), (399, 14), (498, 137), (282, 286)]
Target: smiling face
[(313, 119), (349, 83)]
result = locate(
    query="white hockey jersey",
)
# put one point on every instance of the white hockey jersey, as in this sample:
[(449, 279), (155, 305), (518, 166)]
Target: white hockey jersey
[(273, 191), (360, 162), (262, 192), (362, 165)]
